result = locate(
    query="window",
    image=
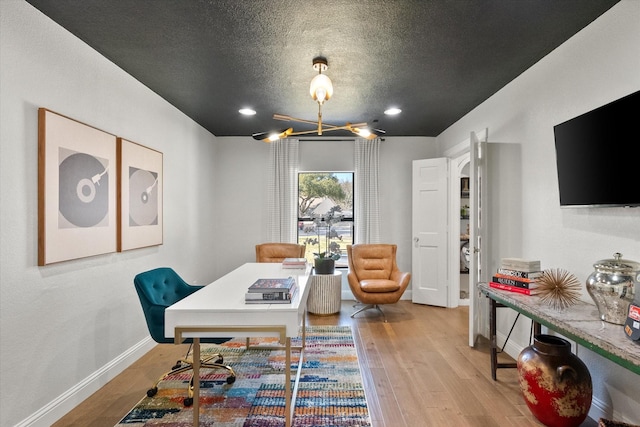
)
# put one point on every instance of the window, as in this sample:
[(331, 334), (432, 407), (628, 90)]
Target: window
[(322, 198)]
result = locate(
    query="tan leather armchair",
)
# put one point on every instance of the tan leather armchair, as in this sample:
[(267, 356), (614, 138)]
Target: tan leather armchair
[(374, 277), (276, 252)]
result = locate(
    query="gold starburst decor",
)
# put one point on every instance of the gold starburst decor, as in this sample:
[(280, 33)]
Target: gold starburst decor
[(558, 288)]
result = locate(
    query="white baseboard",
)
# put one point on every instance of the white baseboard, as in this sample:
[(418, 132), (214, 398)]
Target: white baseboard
[(599, 409), (68, 400), (464, 302), (511, 348)]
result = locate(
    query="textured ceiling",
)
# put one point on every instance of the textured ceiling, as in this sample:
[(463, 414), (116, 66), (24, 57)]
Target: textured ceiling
[(436, 60)]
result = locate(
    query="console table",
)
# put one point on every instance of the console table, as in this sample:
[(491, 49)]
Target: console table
[(325, 294), (580, 323)]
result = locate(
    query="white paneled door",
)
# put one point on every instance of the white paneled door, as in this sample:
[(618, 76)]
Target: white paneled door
[(478, 313), (430, 216)]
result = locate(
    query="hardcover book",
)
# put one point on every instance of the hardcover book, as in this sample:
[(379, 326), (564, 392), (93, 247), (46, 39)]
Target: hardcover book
[(270, 297), (520, 264), (272, 285), (510, 288), (294, 263), (519, 273), (514, 281), (273, 301)]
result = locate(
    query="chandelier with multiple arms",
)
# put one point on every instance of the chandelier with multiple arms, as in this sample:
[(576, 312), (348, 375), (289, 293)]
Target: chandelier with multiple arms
[(321, 89)]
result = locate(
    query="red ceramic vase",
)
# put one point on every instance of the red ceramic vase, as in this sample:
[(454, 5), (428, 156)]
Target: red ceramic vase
[(555, 384)]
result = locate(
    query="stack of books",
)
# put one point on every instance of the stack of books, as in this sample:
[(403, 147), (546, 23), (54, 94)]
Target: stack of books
[(271, 291), (294, 263), (517, 275)]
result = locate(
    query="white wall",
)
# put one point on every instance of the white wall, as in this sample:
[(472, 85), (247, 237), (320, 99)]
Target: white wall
[(241, 171), (65, 328), (598, 65)]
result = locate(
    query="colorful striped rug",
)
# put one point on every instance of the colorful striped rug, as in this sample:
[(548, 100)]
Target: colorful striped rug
[(330, 392)]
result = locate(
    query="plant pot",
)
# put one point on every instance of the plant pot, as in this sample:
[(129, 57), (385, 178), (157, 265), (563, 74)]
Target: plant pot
[(555, 383), (324, 265)]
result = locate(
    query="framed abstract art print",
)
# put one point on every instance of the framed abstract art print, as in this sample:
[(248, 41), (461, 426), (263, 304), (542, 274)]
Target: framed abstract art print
[(140, 196), (77, 209)]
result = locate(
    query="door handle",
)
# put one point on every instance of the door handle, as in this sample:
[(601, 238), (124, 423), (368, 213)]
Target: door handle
[(415, 241), (476, 250)]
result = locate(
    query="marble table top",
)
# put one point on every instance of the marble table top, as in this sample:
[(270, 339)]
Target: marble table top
[(580, 322)]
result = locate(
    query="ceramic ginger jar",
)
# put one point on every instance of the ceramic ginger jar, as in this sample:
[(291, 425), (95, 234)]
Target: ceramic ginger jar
[(612, 287), (556, 384)]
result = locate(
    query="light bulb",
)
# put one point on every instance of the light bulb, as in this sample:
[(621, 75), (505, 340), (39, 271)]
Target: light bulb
[(364, 132), (273, 137), (321, 88), (321, 93)]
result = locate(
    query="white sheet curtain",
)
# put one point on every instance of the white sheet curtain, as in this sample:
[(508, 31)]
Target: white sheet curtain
[(366, 191), (282, 191)]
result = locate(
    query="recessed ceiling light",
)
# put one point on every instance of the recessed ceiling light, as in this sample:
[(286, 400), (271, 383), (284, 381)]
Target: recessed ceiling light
[(392, 111), (247, 111)]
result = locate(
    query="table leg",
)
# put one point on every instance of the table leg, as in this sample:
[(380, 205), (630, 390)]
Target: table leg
[(196, 382), (304, 329), (287, 384), (494, 340), (492, 337)]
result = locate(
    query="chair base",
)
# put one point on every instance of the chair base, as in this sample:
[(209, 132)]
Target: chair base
[(184, 365), (367, 307)]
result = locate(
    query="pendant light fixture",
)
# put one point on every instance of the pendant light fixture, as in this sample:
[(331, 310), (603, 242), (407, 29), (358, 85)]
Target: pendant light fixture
[(321, 90)]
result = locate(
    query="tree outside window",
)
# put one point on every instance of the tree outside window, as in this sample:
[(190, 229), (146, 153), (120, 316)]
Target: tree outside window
[(323, 195)]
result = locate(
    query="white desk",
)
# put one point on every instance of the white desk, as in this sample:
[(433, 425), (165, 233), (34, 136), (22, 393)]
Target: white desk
[(219, 310)]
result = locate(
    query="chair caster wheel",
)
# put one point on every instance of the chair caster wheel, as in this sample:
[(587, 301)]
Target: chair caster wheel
[(188, 401), (152, 392), (177, 365), (231, 379), (219, 360)]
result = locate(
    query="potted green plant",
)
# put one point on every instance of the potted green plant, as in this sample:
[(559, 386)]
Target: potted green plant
[(324, 260)]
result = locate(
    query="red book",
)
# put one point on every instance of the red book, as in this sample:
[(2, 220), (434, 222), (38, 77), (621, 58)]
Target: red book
[(510, 288)]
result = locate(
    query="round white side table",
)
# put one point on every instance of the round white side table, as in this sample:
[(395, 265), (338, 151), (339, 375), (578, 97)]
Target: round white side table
[(325, 294)]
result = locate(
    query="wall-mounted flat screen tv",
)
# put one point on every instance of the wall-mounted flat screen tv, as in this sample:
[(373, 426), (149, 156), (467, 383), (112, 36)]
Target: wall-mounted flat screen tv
[(596, 156)]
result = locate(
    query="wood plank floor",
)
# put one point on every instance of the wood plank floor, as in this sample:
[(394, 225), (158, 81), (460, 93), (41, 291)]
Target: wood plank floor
[(418, 370)]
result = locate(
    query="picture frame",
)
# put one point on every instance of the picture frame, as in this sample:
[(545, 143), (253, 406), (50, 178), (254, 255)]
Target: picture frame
[(464, 187), (140, 196), (77, 184)]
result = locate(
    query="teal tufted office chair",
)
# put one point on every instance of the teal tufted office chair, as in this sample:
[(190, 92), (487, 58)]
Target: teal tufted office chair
[(157, 290)]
